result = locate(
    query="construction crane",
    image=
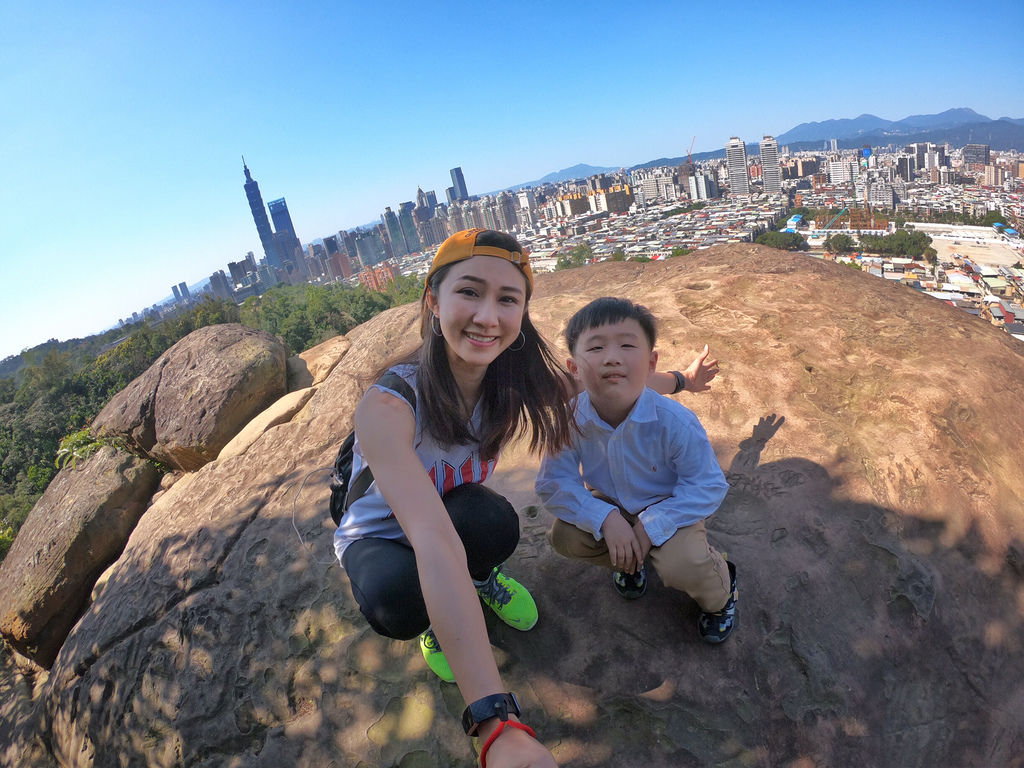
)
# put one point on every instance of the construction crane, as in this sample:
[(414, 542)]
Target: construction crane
[(691, 150), (845, 210)]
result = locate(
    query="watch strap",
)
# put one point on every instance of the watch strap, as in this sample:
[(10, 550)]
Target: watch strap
[(680, 382), (499, 705)]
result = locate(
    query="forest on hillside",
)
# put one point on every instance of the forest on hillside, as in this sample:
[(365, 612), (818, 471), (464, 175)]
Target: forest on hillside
[(61, 386)]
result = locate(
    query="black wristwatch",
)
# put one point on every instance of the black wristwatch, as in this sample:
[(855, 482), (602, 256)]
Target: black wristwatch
[(499, 705), (680, 382)]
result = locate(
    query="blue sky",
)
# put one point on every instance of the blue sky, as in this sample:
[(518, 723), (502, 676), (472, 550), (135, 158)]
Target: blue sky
[(124, 123)]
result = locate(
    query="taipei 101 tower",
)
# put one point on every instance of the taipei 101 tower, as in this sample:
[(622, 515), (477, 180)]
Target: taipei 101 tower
[(259, 215)]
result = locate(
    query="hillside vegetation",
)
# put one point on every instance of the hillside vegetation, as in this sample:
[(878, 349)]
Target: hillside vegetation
[(61, 386)]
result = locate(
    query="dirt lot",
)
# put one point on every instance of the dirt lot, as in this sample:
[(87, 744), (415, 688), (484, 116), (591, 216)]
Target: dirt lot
[(995, 254)]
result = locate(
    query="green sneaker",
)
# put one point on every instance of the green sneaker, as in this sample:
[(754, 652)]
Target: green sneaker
[(509, 599), (434, 656)]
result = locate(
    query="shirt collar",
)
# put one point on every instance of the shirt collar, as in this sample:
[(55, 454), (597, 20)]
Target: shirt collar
[(644, 410)]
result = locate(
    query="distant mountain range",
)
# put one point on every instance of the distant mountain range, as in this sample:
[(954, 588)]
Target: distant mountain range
[(956, 126)]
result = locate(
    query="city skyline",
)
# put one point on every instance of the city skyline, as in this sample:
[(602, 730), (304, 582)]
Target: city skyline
[(127, 125)]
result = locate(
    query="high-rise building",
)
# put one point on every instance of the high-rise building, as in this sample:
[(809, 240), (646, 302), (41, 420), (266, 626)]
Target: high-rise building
[(183, 289), (905, 166), (408, 225), (994, 176), (736, 159), (219, 285), (393, 231), (456, 219), (702, 187), (287, 241), (842, 171), (259, 216), (770, 172), (370, 247), (239, 271), (976, 154), (176, 292), (459, 184)]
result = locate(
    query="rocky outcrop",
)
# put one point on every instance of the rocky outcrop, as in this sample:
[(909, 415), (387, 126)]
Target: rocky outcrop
[(312, 367), (278, 413), (876, 515), (198, 395), (78, 527)]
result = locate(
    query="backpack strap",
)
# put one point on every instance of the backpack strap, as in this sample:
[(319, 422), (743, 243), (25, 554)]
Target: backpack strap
[(361, 482)]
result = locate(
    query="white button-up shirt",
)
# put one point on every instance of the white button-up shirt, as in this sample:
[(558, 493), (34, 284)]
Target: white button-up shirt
[(657, 464)]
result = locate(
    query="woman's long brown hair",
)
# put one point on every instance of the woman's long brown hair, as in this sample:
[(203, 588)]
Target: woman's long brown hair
[(524, 390)]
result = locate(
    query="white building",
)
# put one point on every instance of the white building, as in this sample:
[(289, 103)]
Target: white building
[(736, 158), (771, 174)]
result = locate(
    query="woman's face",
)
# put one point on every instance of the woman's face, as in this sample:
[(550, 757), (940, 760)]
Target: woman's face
[(480, 305)]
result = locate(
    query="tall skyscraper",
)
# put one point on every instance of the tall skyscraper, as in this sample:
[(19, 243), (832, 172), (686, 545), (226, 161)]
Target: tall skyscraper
[(459, 184), (393, 230), (287, 241), (736, 159), (408, 225), (259, 216), (905, 166), (770, 172)]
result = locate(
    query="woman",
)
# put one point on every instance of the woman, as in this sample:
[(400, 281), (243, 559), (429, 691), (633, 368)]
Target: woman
[(421, 546)]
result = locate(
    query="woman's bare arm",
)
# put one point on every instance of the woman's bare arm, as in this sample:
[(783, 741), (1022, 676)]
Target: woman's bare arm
[(386, 430)]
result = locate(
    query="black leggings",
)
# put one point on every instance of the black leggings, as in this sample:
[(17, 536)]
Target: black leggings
[(383, 572)]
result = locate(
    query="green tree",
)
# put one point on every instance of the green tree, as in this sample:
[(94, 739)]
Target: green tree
[(680, 252), (618, 255), (840, 243), (784, 241), (576, 257), (993, 217)]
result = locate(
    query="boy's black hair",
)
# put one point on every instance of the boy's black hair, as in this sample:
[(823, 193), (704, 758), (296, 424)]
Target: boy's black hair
[(605, 311)]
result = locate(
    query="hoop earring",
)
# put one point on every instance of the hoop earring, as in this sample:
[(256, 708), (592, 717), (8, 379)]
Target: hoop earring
[(522, 343), (436, 328)]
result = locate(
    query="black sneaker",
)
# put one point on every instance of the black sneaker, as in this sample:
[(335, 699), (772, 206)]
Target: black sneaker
[(716, 627), (631, 585)]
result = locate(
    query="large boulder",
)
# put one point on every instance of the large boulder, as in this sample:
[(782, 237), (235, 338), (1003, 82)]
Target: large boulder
[(77, 528), (186, 407), (875, 515)]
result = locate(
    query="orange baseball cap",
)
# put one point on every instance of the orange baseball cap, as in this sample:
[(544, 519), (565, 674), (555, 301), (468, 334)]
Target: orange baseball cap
[(481, 242)]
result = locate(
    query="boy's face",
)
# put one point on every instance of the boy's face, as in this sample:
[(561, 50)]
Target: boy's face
[(613, 362)]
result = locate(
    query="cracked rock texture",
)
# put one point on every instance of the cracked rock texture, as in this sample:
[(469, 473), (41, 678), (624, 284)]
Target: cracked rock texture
[(77, 528), (198, 395), (870, 436)]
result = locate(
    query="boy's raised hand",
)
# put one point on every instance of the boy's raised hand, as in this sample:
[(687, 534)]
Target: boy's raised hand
[(700, 372), (624, 549)]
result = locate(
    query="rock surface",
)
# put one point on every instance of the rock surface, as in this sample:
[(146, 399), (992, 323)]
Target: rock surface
[(198, 394), (876, 514), (278, 413), (77, 528)]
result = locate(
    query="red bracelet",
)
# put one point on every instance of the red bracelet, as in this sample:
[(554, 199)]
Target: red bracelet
[(497, 732)]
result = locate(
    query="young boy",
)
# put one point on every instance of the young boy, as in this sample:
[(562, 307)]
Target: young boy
[(641, 476)]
